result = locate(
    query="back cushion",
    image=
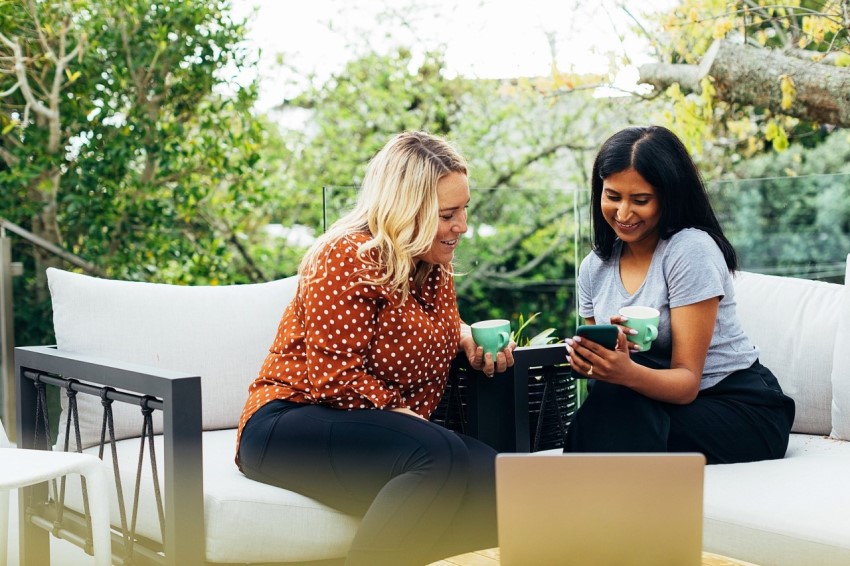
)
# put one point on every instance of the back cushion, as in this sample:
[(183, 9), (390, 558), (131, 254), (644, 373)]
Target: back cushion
[(219, 333), (841, 368), (793, 322)]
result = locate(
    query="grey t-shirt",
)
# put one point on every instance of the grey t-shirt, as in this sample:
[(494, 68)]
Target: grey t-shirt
[(686, 268)]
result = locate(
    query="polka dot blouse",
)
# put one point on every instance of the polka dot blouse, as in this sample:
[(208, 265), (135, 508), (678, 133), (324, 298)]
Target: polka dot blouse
[(350, 345)]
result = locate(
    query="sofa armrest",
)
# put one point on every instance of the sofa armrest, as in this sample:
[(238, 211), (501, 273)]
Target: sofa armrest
[(525, 409), (179, 397)]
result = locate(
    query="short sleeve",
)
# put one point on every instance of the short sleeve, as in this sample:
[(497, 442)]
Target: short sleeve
[(694, 268), (585, 287)]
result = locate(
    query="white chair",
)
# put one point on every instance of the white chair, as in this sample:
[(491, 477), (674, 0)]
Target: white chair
[(22, 468)]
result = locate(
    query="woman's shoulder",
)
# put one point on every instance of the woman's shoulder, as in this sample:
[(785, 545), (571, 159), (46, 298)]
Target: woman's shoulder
[(594, 268), (342, 261), (591, 262), (691, 240), (692, 246), (345, 246), (691, 236)]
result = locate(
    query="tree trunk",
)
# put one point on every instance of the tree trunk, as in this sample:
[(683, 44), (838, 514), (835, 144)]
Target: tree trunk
[(749, 75)]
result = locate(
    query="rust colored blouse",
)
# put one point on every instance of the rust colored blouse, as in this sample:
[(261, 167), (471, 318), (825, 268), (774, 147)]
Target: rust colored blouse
[(350, 345)]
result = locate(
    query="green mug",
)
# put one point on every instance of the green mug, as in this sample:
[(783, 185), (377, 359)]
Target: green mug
[(645, 321), (492, 335)]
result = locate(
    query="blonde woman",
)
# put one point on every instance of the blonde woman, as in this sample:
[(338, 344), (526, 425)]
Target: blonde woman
[(340, 410)]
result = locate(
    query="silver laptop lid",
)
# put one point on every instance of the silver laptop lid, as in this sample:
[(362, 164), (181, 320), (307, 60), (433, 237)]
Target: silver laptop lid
[(600, 509)]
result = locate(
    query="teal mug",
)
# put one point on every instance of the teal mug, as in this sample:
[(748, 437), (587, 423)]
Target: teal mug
[(492, 335), (645, 321)]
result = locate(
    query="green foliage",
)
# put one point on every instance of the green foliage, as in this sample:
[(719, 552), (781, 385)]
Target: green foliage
[(790, 213), (528, 144), (808, 29), (539, 339), (127, 151)]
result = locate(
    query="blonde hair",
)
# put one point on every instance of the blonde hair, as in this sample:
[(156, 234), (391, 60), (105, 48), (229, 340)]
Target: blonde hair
[(397, 204)]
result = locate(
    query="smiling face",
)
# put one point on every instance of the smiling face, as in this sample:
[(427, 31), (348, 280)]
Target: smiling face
[(630, 206), (453, 197)]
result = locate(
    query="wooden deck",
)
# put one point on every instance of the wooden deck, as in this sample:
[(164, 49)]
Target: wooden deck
[(490, 557)]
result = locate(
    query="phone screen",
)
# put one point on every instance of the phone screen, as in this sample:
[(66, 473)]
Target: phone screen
[(603, 334)]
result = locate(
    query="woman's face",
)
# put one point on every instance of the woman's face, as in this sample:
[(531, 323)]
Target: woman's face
[(630, 206), (453, 197)]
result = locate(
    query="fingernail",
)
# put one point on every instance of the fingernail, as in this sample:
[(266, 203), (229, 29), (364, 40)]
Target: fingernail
[(577, 338), (632, 331), (624, 318), (569, 341)]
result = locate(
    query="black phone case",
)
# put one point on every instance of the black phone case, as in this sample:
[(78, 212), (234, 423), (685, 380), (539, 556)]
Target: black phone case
[(603, 334)]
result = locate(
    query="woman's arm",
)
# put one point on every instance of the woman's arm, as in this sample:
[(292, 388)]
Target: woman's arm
[(692, 327)]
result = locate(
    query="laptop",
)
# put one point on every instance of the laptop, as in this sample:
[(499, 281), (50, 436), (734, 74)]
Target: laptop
[(600, 509)]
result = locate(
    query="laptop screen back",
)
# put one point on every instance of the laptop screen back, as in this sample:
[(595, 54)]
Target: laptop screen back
[(600, 509)]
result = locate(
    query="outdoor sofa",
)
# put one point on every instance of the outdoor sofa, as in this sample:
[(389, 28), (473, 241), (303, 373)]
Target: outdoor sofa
[(794, 511), (786, 512), (177, 362)]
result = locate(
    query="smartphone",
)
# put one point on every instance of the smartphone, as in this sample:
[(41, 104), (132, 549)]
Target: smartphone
[(603, 334)]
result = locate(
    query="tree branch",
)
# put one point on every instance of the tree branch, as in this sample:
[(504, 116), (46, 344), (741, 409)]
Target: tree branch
[(7, 156), (752, 76), (484, 271), (23, 81), (505, 177), (534, 262)]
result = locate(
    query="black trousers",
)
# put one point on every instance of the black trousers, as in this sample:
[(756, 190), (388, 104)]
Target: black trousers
[(423, 492), (744, 418)]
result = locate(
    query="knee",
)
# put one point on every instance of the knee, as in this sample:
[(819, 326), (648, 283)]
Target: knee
[(618, 400)]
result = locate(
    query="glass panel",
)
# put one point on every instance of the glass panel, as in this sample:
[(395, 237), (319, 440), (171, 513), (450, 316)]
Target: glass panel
[(517, 259), (795, 226), (521, 253)]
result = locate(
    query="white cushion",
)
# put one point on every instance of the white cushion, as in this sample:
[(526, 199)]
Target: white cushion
[(219, 333), (794, 322), (246, 521), (782, 512), (841, 367)]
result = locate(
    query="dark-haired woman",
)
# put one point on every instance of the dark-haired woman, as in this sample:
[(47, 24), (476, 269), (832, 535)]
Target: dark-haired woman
[(657, 243)]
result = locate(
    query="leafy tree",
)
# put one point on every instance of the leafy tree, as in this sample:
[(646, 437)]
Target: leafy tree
[(121, 141), (751, 75), (528, 146)]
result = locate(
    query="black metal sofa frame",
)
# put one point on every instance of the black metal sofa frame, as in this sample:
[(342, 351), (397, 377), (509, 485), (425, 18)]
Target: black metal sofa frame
[(527, 409)]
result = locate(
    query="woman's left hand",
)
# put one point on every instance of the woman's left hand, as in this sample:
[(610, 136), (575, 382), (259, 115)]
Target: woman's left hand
[(596, 361), (485, 362)]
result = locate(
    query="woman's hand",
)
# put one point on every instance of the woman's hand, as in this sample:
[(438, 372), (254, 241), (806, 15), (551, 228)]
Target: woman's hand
[(484, 362), (620, 321), (598, 362), (406, 411)]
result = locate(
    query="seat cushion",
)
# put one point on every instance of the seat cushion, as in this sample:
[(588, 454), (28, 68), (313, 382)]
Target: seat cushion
[(782, 512), (221, 333), (246, 521), (794, 322)]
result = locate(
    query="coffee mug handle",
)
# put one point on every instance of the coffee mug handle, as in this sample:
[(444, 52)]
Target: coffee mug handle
[(653, 332), (504, 340)]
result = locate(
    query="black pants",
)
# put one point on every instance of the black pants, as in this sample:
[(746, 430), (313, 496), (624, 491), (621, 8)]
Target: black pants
[(744, 418), (423, 492)]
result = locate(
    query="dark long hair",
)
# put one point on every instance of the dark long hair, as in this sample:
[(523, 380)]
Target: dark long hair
[(662, 160)]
